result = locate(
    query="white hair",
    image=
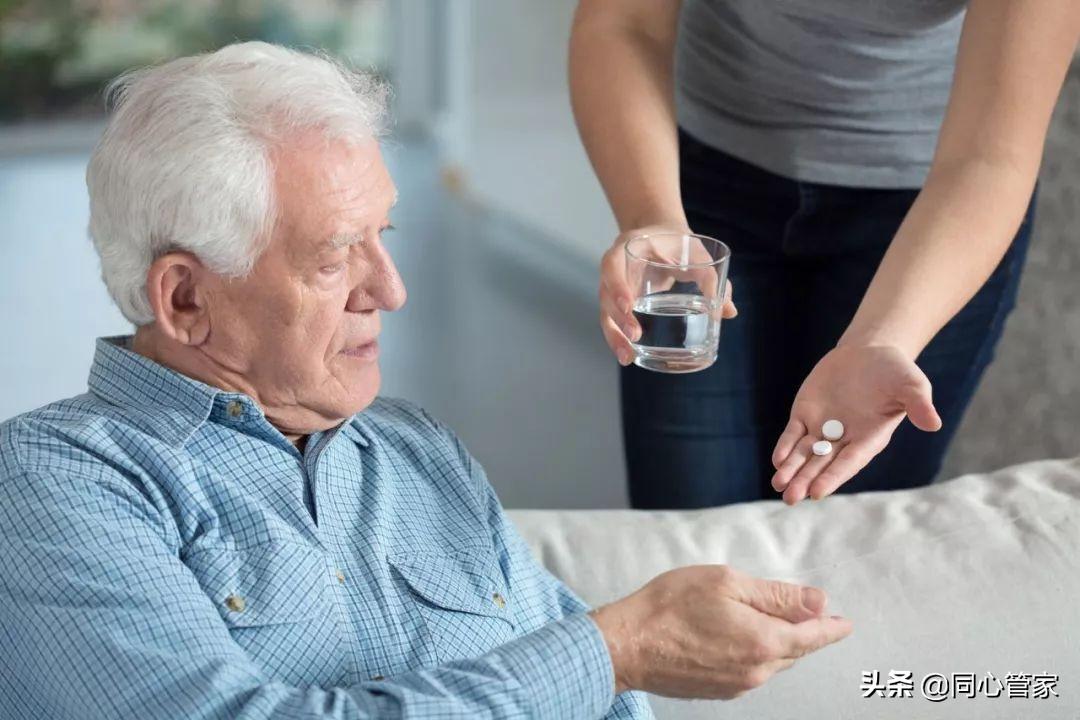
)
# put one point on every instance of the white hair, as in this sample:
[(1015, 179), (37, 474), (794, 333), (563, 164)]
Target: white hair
[(184, 163)]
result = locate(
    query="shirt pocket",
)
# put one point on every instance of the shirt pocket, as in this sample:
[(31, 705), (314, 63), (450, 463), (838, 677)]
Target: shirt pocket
[(461, 597), (277, 601)]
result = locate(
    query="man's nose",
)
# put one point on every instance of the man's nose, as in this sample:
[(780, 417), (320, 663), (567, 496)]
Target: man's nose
[(378, 284)]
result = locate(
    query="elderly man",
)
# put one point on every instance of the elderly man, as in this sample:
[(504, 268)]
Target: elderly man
[(230, 524)]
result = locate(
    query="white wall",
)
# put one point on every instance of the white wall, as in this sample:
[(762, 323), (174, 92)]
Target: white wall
[(519, 151), (52, 298)]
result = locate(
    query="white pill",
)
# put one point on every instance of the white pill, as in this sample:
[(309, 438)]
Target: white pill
[(822, 447), (832, 430)]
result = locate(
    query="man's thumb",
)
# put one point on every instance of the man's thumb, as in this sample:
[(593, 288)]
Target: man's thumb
[(794, 603)]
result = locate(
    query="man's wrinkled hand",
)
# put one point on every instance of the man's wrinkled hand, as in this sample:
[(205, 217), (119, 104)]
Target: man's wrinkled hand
[(710, 631)]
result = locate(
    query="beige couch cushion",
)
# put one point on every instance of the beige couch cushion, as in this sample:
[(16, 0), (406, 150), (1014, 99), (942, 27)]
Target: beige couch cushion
[(980, 574)]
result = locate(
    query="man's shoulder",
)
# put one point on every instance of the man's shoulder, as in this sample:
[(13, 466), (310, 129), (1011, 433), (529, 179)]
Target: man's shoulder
[(67, 456), (43, 435), (81, 437)]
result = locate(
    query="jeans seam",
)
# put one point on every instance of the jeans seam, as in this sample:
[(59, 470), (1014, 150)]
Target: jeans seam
[(804, 201)]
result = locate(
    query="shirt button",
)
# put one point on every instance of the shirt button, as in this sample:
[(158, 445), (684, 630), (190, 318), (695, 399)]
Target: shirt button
[(236, 603), (377, 677), (235, 408), (340, 576), (499, 600)]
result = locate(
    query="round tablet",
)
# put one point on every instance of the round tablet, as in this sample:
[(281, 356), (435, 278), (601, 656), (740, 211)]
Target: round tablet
[(832, 430), (822, 447)]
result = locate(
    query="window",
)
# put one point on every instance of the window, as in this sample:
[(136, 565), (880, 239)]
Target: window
[(57, 55)]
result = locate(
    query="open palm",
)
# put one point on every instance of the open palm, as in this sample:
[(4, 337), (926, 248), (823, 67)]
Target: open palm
[(869, 389)]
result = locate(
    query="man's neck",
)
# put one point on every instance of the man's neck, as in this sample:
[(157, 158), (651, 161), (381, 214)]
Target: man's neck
[(193, 363)]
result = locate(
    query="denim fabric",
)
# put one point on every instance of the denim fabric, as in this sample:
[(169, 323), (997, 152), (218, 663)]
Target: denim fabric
[(165, 552), (803, 254)]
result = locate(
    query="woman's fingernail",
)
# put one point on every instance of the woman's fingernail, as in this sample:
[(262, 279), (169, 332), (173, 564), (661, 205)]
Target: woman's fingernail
[(624, 306)]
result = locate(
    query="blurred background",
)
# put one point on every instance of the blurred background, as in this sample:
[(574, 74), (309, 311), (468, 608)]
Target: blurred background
[(500, 228)]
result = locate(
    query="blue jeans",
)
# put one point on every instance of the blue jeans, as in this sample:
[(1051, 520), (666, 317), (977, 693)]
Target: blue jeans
[(803, 254)]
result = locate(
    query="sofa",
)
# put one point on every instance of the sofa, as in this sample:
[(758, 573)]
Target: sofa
[(975, 580)]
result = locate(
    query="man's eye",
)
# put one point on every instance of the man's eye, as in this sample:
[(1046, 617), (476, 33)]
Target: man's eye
[(331, 269)]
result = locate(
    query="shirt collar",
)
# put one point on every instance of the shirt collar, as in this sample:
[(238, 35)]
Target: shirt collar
[(167, 403), (355, 430)]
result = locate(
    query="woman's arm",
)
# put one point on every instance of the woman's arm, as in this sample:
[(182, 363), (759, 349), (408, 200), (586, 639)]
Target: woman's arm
[(622, 90), (1011, 64), (1010, 67), (622, 58)]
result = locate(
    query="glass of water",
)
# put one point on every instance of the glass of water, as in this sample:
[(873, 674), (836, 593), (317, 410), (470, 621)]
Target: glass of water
[(678, 282)]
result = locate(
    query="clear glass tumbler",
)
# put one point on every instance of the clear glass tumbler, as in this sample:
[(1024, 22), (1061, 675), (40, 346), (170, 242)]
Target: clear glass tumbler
[(678, 282)]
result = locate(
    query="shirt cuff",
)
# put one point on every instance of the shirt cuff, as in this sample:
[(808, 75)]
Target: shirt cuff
[(566, 668)]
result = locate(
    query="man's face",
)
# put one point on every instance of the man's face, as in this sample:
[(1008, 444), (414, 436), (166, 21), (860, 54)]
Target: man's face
[(301, 330)]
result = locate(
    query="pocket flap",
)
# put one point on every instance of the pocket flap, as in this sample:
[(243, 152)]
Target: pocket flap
[(264, 584), (455, 580)]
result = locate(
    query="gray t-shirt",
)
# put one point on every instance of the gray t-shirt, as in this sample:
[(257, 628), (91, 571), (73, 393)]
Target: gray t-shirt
[(845, 92)]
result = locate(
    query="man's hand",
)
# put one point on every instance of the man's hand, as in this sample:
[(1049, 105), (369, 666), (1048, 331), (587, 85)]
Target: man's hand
[(869, 389), (709, 631), (617, 320)]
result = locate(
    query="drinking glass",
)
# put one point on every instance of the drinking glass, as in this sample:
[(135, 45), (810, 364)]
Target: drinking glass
[(678, 282)]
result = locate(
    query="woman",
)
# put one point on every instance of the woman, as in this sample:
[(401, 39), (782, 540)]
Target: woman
[(872, 166)]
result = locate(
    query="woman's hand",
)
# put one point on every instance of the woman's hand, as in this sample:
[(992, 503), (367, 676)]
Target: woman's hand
[(867, 388), (616, 299)]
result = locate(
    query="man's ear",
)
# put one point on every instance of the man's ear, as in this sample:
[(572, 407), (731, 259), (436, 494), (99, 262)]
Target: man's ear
[(177, 287)]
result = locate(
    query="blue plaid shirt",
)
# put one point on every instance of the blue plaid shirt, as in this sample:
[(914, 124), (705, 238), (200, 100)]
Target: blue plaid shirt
[(165, 552)]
